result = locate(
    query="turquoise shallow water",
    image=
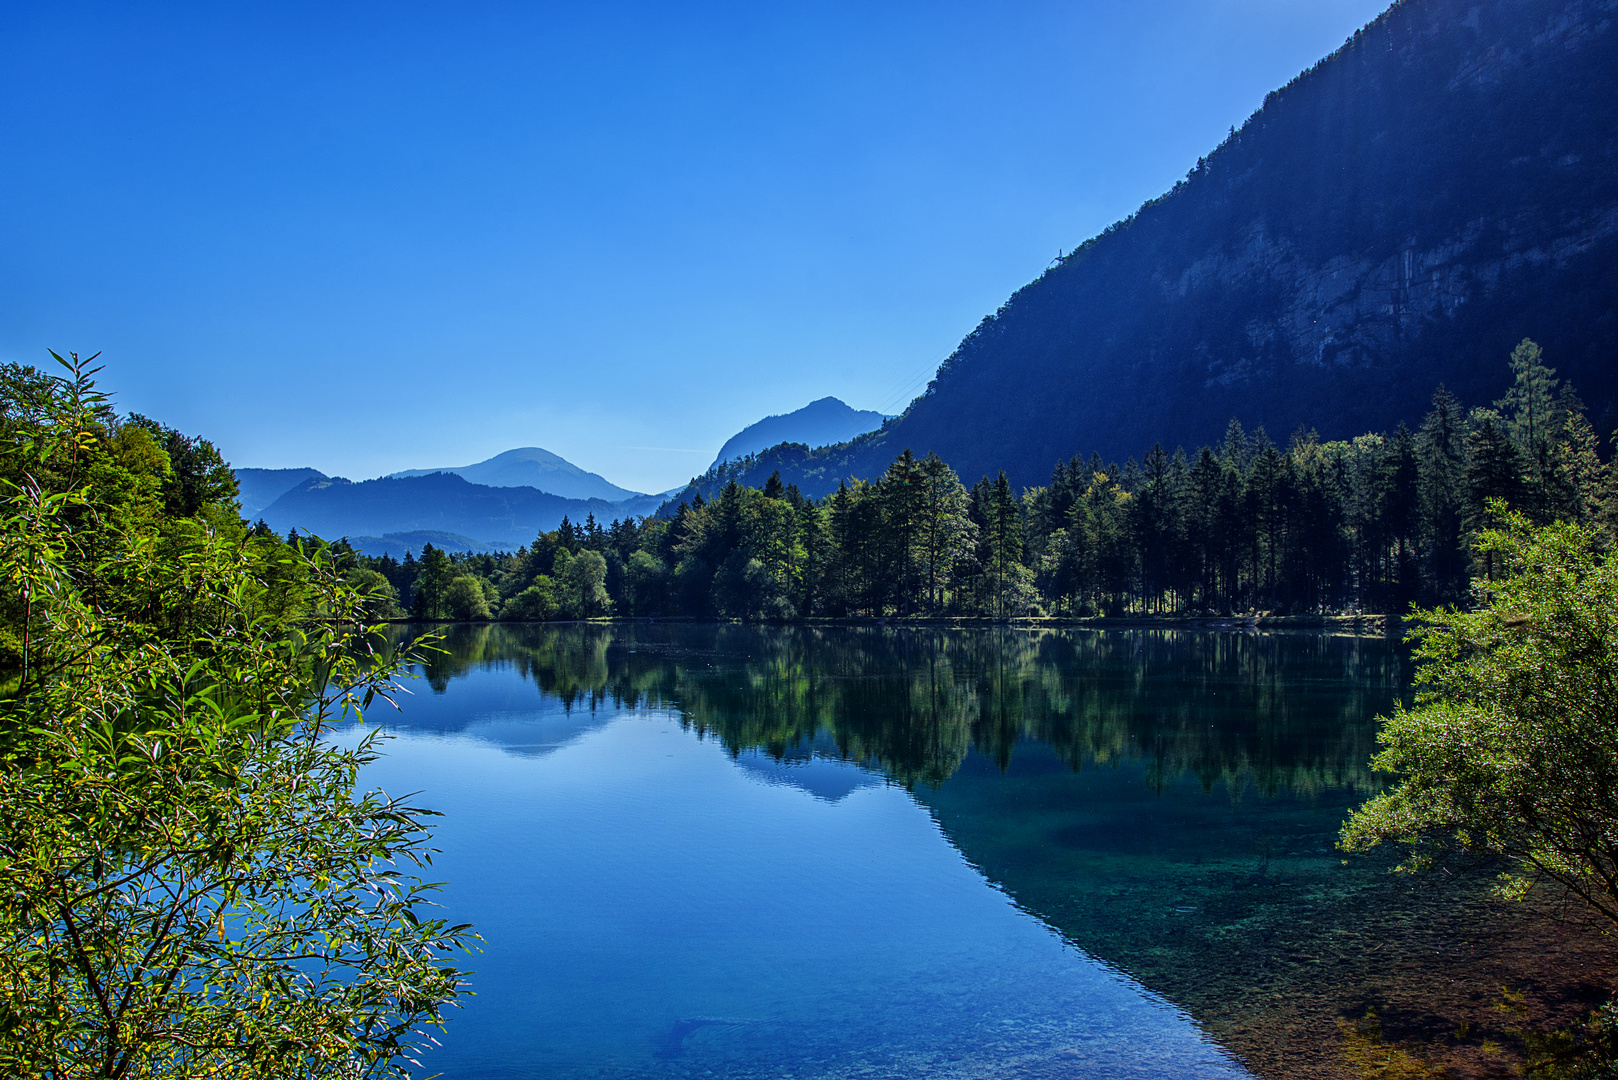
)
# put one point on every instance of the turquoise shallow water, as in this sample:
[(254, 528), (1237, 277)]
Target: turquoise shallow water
[(697, 851)]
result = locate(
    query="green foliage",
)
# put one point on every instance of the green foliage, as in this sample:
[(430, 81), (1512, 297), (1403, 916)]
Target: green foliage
[(581, 584), (1530, 406), (647, 583), (536, 602), (431, 589), (189, 883), (196, 474), (1511, 748), (382, 597), (464, 598)]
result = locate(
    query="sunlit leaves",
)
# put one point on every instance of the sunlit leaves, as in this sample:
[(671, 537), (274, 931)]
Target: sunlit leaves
[(1511, 747), (189, 884)]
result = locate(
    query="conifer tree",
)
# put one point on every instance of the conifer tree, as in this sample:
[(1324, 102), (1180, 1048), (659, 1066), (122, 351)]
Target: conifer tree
[(1003, 537), (1530, 405), (902, 496), (432, 584), (1400, 514), (1577, 479), (946, 532), (1441, 470), (1494, 477)]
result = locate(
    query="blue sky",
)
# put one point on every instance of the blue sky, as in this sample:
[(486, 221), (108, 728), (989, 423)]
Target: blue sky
[(367, 237)]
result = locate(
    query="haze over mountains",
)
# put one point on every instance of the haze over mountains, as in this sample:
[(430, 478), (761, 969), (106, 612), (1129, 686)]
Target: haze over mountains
[(531, 466), (1400, 216), (819, 423), (258, 488), (503, 501), (441, 502)]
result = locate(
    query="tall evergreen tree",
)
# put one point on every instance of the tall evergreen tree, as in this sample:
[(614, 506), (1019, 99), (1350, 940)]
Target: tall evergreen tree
[(1494, 471), (946, 531), (1400, 514), (1441, 469), (1530, 405), (902, 496), (432, 584)]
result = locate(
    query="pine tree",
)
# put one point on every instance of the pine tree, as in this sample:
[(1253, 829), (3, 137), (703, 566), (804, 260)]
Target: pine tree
[(902, 496), (1530, 409), (1494, 470), (1400, 514), (946, 533), (1529, 406), (432, 584), (1266, 498), (998, 518), (1151, 524), (1576, 479), (1441, 469), (842, 577)]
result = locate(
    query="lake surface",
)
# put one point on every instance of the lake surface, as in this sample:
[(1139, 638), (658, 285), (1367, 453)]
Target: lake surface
[(723, 851)]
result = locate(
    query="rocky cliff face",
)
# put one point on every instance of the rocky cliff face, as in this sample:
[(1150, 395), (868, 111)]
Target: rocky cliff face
[(1398, 216)]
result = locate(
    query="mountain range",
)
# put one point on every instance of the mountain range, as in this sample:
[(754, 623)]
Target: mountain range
[(501, 502), (443, 502), (1397, 217)]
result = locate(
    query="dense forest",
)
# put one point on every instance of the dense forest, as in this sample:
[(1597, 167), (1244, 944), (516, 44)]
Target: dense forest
[(1372, 524)]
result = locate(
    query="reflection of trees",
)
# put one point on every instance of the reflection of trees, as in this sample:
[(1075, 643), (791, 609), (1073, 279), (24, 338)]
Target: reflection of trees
[(1285, 712), (1290, 713)]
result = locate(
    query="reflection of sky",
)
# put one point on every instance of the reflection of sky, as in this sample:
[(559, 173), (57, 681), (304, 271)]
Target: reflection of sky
[(495, 705), (651, 909), (821, 775)]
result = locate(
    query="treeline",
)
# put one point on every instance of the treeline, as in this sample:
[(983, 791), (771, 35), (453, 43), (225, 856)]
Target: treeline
[(1371, 524)]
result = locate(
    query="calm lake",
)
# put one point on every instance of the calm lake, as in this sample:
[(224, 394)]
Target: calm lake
[(726, 851)]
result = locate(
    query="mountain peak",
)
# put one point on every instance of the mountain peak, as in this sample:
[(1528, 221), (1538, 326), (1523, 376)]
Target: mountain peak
[(822, 422), (1398, 216), (535, 467)]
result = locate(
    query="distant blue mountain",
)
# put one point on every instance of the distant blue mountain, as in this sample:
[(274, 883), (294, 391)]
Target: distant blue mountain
[(819, 423), (506, 517), (260, 487), (397, 544), (532, 466)]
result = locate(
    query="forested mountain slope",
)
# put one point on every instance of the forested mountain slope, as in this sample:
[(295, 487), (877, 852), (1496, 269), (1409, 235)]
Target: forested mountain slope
[(1401, 215)]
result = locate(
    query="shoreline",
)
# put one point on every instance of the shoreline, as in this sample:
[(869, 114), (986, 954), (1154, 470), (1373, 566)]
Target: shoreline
[(1358, 625)]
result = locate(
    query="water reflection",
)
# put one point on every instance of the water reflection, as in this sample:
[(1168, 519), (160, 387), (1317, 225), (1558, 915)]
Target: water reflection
[(1274, 713), (1166, 800)]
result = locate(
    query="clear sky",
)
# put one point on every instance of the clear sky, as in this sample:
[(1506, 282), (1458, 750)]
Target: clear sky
[(366, 237)]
